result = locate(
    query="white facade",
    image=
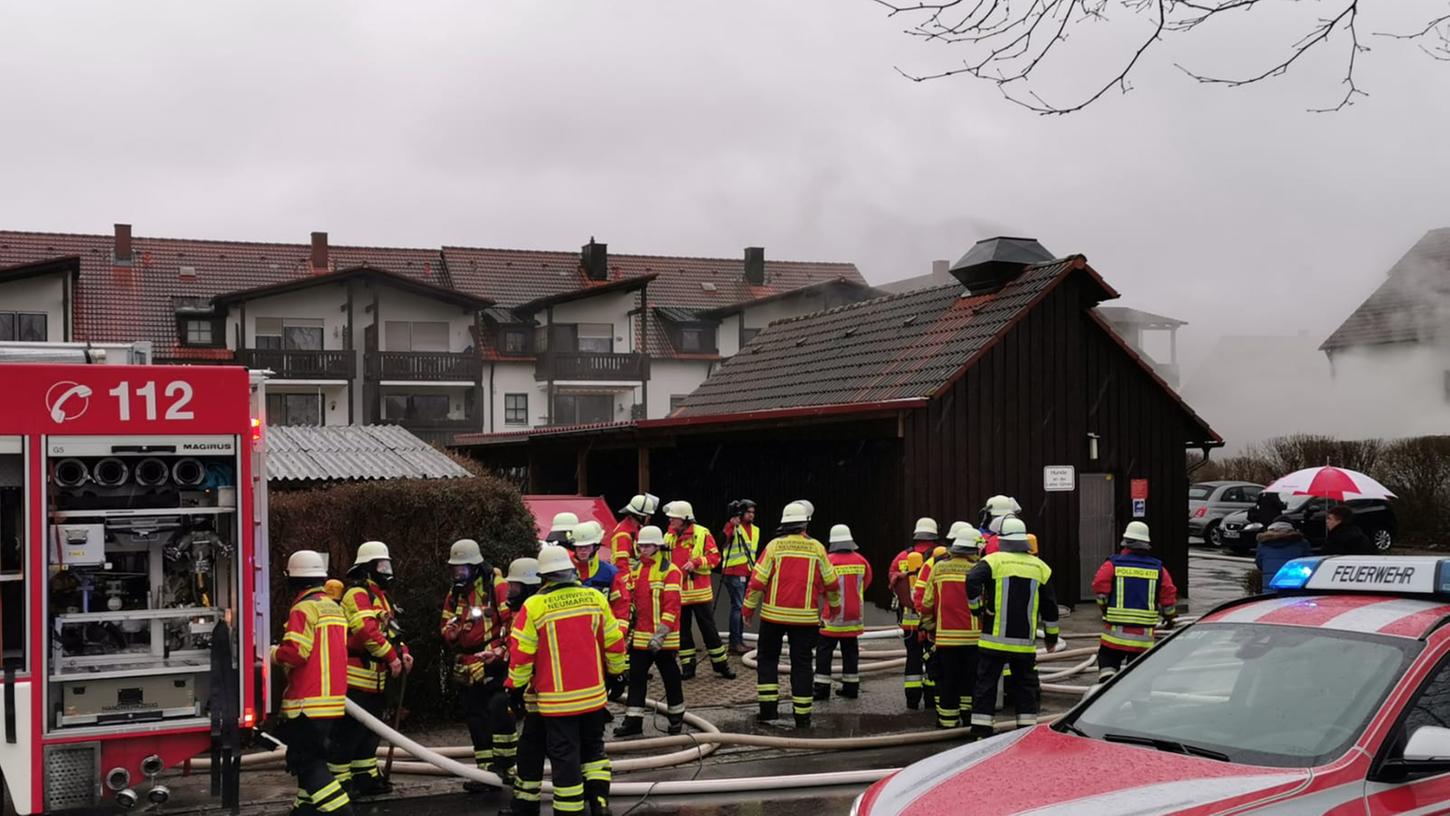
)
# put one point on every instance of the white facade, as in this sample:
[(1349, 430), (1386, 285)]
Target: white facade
[(41, 294), (674, 378)]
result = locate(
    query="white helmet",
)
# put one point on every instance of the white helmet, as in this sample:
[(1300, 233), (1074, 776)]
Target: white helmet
[(554, 558), (588, 533), (650, 534), (306, 564), (1002, 506), (967, 540), (1014, 535), (926, 530), (810, 508), (524, 571), (957, 527), (371, 551), (680, 509), (840, 539), (645, 504), (1137, 531), (794, 513), (564, 522), (464, 552)]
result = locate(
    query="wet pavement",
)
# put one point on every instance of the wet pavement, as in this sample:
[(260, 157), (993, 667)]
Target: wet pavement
[(730, 705)]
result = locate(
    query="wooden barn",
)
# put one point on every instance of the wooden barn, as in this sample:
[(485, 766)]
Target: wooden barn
[(918, 404)]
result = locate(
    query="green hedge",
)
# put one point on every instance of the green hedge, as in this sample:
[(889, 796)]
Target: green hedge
[(418, 519)]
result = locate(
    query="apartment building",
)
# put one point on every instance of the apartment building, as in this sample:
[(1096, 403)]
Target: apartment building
[(441, 341)]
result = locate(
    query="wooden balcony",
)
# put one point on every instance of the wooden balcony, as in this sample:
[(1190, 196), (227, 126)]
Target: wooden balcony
[(297, 364), (587, 365), (425, 366), (438, 431)]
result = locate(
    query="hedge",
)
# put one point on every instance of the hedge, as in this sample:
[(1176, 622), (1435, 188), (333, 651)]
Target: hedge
[(419, 520)]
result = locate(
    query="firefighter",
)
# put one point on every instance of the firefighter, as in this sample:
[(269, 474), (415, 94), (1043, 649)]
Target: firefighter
[(742, 541), (561, 529), (997, 510), (656, 636), (474, 628), (789, 579), (931, 673), (953, 625), (693, 550), (853, 575), (1010, 590), (636, 514), (902, 576), (313, 654), (604, 576), (374, 654), (564, 645), (523, 581), (1133, 589)]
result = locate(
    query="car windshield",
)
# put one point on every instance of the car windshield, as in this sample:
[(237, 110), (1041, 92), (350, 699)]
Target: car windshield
[(1282, 696), (1200, 492)]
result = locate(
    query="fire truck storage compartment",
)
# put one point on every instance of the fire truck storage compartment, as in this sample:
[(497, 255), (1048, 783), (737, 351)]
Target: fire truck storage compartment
[(143, 565)]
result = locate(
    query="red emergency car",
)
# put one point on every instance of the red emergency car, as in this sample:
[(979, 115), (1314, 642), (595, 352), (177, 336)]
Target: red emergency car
[(1332, 697)]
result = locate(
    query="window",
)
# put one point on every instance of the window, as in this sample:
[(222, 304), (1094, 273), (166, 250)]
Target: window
[(197, 332), (294, 409), (746, 335), (415, 407), (574, 409), (1431, 707), (1232, 494), (676, 400), (268, 333), (596, 337), (302, 335), (26, 326), (516, 409), (515, 340), (415, 335), (695, 337)]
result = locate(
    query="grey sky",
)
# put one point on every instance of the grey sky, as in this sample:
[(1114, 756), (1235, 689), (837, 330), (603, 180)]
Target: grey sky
[(699, 128)]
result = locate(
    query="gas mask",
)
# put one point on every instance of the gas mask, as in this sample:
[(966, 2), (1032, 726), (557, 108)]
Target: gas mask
[(382, 572), (462, 574)]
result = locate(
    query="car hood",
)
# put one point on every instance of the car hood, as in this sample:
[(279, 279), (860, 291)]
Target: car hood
[(1062, 774)]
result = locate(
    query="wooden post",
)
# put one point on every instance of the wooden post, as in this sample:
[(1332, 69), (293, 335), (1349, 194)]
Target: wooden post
[(642, 472), (533, 468), (581, 472)]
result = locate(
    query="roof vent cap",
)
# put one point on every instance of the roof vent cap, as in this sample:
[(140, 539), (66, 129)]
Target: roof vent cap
[(995, 262)]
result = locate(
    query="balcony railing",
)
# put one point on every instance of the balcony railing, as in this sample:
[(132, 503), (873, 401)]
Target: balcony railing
[(588, 365), (438, 431), (298, 364), (423, 365)]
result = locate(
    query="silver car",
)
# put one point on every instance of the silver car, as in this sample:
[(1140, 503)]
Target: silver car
[(1209, 502)]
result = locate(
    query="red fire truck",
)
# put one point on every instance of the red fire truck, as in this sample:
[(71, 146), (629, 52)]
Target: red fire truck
[(133, 594)]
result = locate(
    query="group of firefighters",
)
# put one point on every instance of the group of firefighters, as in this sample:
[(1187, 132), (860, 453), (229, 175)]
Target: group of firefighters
[(548, 644)]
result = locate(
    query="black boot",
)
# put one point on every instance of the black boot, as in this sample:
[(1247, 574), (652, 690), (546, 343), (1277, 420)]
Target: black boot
[(475, 786), (687, 671), (723, 669), (631, 727), (982, 732), (767, 713), (677, 724), (370, 786), (505, 775), (928, 697), (802, 721), (823, 691), (849, 690), (913, 699)]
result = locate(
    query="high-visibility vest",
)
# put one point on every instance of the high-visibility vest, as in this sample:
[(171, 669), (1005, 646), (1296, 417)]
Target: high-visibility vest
[(699, 547), (563, 642), (370, 648), (853, 573), (789, 580), (944, 606), (740, 549), (613, 582), (480, 642), (1133, 599), (1006, 588), (656, 594), (313, 653)]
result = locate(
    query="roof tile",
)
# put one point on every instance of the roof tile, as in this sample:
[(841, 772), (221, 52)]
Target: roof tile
[(1410, 306)]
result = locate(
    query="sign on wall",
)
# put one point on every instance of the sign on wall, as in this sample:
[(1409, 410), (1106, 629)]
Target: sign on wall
[(1059, 478)]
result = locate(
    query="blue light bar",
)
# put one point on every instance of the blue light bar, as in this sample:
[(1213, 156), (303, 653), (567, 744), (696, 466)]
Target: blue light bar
[(1295, 574)]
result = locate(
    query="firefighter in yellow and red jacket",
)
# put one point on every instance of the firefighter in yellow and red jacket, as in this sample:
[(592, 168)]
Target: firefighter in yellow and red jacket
[(694, 551), (313, 653), (853, 575), (636, 514), (565, 647), (789, 579), (931, 671), (656, 635), (902, 578), (474, 628), (374, 654), (953, 626)]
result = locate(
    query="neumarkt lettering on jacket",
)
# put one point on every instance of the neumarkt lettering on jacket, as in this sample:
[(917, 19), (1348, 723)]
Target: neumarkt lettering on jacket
[(790, 578), (695, 553), (1011, 591), (313, 653), (370, 643), (564, 639)]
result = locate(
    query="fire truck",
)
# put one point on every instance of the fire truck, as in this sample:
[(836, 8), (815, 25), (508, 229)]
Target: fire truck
[(133, 578)]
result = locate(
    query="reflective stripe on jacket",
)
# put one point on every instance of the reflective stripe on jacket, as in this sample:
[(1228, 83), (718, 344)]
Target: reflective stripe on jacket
[(741, 541), (944, 605), (313, 653), (902, 578), (1010, 591), (698, 551), (479, 642), (562, 643), (790, 578), (369, 647), (612, 582), (1132, 590), (853, 574), (621, 542), (656, 596)]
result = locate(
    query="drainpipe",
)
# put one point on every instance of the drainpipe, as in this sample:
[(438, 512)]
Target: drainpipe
[(490, 398), (1206, 448)]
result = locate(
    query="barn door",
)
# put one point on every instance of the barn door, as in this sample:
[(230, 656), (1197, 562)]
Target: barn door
[(1096, 527)]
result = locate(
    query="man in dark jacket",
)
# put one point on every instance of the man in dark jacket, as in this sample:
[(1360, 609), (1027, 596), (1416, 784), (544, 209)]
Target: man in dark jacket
[(1345, 537), (1279, 545)]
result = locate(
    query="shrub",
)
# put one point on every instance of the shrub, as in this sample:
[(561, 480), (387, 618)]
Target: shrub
[(1418, 471), (419, 520), (1253, 582)]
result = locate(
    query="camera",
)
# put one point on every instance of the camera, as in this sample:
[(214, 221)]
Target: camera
[(732, 509)]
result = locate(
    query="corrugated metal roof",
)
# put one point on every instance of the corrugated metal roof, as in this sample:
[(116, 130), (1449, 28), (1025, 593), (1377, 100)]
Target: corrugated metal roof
[(351, 452)]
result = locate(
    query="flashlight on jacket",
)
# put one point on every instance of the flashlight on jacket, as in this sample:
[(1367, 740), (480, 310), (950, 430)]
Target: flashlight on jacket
[(475, 613)]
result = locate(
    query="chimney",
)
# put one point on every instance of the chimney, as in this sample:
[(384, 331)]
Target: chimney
[(755, 266), (995, 262), (319, 252), (121, 251), (595, 259), (941, 273)]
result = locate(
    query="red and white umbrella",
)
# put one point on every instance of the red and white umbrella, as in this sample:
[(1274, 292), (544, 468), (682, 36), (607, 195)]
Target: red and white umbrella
[(1331, 483)]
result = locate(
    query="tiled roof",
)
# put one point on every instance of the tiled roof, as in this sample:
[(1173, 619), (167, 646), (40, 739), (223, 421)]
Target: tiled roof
[(891, 348), (349, 452), (1410, 306)]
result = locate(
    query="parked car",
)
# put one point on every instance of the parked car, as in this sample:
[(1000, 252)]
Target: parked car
[(1375, 516), (1209, 502)]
